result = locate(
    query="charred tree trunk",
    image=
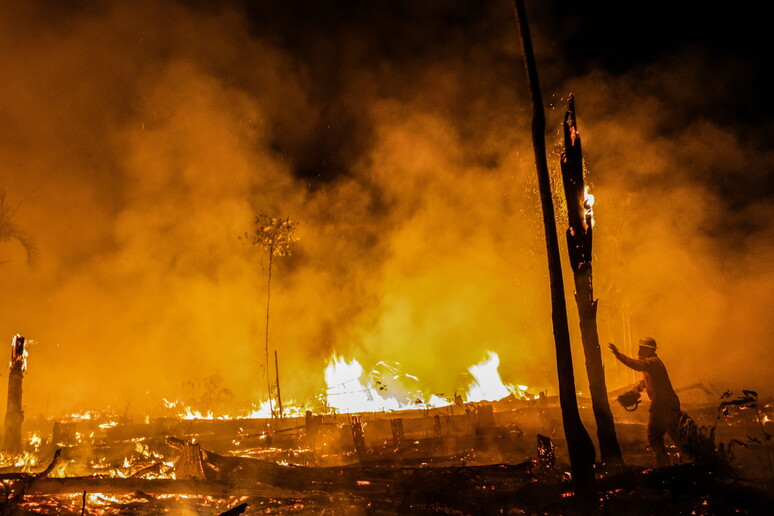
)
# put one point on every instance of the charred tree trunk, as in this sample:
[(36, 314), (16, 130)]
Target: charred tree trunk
[(14, 415), (579, 240), (579, 444)]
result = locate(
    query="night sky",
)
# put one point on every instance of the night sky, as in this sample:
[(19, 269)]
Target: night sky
[(334, 39)]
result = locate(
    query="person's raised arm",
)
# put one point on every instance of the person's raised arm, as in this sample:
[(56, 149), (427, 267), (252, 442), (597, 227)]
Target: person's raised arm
[(633, 363)]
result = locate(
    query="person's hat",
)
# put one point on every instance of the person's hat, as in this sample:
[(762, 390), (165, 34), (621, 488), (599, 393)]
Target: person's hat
[(648, 342)]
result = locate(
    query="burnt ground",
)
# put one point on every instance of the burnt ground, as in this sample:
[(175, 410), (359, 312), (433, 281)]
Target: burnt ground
[(457, 460)]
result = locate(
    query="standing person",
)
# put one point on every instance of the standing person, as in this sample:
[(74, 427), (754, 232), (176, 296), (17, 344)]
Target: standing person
[(664, 404)]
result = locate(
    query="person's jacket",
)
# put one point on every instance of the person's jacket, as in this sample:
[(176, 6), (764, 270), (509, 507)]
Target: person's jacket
[(659, 388)]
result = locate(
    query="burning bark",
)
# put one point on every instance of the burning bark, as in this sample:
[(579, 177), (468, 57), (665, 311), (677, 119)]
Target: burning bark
[(579, 240), (579, 443), (14, 415)]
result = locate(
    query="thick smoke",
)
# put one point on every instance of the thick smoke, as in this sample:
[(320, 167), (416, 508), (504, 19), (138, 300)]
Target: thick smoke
[(141, 140)]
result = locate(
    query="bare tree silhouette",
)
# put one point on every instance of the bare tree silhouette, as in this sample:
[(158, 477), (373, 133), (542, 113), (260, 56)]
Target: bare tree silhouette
[(10, 231)]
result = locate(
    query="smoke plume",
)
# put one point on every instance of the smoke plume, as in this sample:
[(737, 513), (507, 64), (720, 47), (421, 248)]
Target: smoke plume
[(141, 139)]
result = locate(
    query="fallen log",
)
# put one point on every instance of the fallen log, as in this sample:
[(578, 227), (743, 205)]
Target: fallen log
[(71, 485)]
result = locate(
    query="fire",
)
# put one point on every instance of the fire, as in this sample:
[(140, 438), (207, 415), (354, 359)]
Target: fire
[(35, 441), (24, 353), (263, 411), (488, 386), (102, 499), (588, 205), (349, 389), (25, 460), (347, 394), (260, 411), (86, 415)]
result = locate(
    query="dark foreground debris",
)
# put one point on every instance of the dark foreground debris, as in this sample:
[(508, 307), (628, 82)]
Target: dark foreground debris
[(235, 485)]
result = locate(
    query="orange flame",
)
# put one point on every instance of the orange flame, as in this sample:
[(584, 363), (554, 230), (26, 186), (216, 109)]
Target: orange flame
[(588, 206)]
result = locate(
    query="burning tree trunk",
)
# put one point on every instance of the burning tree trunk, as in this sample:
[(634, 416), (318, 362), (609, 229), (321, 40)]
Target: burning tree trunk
[(579, 444), (14, 415), (579, 236)]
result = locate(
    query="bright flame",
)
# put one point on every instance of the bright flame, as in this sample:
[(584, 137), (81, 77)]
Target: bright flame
[(588, 205), (24, 353), (262, 412), (436, 401), (488, 385), (347, 394), (86, 415), (25, 460), (35, 441), (102, 499)]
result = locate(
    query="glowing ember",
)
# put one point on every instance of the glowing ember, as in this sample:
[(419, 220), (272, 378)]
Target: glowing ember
[(588, 205), (102, 498)]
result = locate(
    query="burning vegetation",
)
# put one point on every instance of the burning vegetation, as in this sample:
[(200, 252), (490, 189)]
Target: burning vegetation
[(388, 346), (357, 445)]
